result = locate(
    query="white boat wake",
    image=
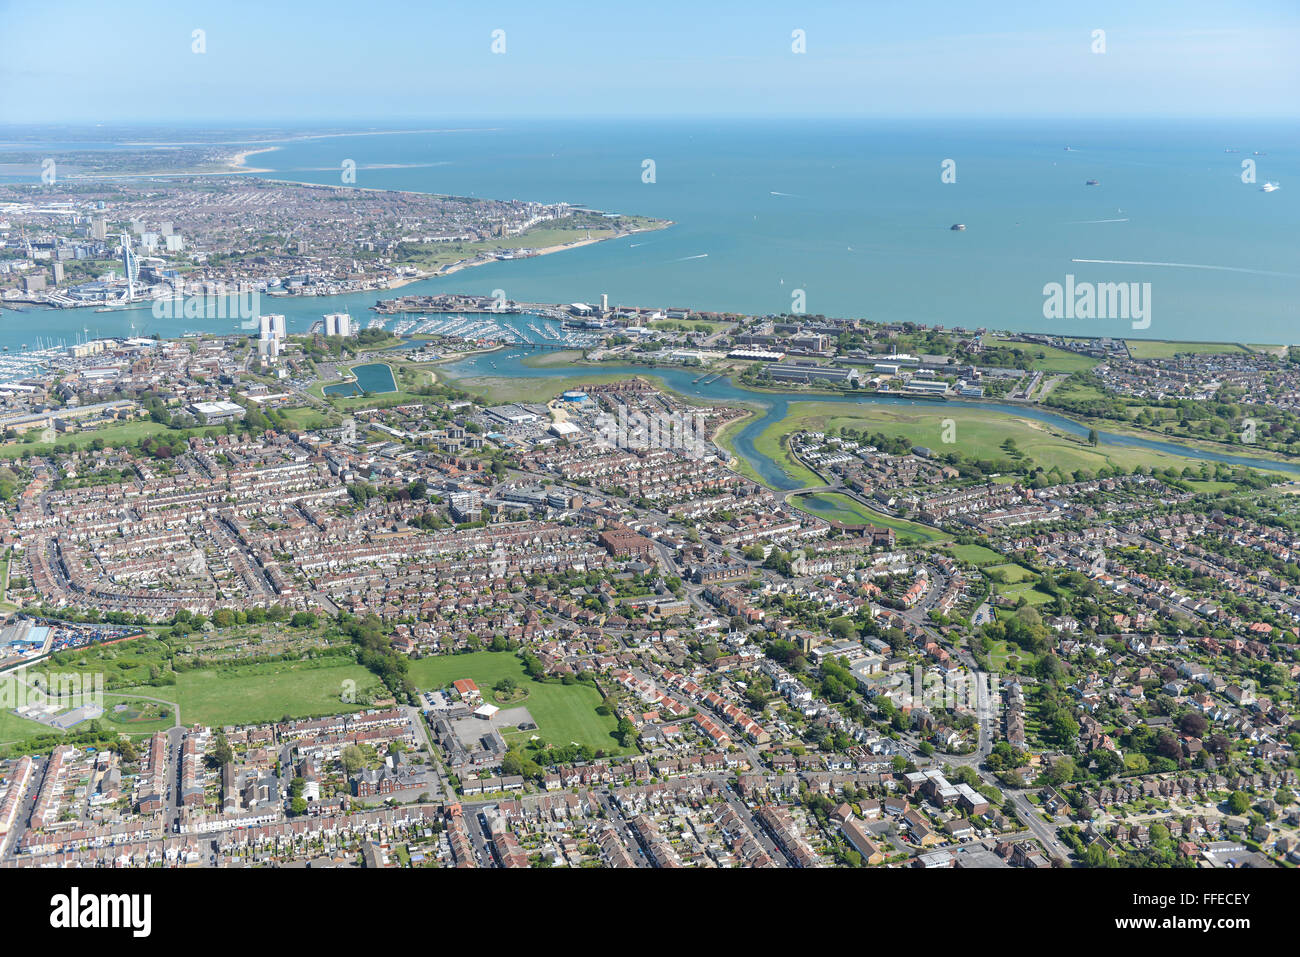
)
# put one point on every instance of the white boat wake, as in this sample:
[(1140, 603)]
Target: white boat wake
[(1133, 262)]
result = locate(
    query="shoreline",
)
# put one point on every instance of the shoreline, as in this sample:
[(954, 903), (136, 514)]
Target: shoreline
[(239, 162)]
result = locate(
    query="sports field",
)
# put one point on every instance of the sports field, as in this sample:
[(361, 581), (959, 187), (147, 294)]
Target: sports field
[(564, 713)]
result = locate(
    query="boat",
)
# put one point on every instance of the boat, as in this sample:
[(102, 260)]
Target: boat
[(1092, 182), (1269, 187), (957, 226)]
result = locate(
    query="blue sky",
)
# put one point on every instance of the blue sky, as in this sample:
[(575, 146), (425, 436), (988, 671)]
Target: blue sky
[(280, 62)]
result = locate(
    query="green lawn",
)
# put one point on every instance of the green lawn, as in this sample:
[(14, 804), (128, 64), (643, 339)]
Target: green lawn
[(304, 417), (1198, 485), (1002, 653), (1026, 590), (975, 554), (564, 713), (14, 728), (976, 433), (1013, 573), (1158, 349), (260, 693), (1051, 359), (113, 436), (836, 507)]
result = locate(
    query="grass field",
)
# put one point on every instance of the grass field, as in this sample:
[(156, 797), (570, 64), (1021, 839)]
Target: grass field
[(771, 444), (1157, 349), (979, 433), (496, 390), (261, 693), (14, 728), (975, 554), (1211, 486), (564, 713), (1051, 359), (688, 324), (304, 417), (435, 256), (1024, 590), (113, 436), (1013, 573), (837, 507), (1002, 653)]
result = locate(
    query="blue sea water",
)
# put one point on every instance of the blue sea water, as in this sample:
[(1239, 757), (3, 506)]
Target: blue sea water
[(855, 214)]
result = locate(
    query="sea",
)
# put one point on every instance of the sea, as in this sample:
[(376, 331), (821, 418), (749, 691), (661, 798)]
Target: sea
[(844, 218)]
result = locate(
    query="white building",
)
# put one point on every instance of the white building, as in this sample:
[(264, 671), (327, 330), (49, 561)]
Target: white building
[(340, 324), (272, 326)]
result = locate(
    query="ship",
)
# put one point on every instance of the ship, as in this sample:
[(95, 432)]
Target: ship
[(957, 226)]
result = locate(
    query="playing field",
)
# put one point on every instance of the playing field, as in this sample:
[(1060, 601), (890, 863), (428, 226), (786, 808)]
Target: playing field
[(564, 713), (975, 554), (1157, 349), (1012, 573), (261, 693)]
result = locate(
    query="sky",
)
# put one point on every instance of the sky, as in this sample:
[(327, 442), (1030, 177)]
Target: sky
[(274, 62)]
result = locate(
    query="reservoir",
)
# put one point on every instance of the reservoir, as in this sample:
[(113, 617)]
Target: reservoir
[(375, 378)]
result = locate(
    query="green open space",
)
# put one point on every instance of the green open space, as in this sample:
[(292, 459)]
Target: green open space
[(579, 228), (975, 554), (1011, 573), (1160, 349), (978, 433), (264, 692), (1025, 590), (837, 507), (564, 713)]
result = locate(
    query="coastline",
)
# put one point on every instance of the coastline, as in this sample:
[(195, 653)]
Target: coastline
[(239, 162)]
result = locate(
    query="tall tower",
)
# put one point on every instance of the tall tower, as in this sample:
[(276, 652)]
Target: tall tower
[(130, 265)]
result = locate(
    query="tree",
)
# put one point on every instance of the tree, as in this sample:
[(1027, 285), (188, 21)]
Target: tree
[(1238, 803), (1061, 771), (1093, 437), (1194, 724), (221, 753), (626, 733), (353, 758)]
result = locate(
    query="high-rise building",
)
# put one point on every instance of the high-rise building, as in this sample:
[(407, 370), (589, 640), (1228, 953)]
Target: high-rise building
[(99, 228), (339, 324), (272, 326)]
